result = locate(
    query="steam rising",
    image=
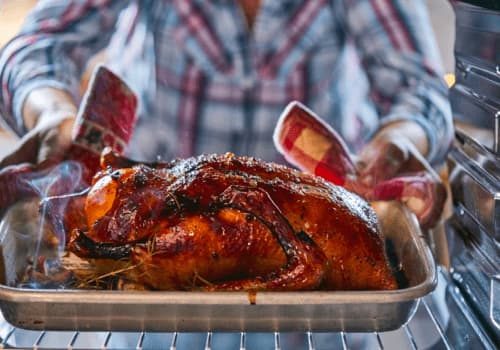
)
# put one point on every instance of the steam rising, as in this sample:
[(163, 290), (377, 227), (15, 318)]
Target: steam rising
[(37, 225), (63, 179)]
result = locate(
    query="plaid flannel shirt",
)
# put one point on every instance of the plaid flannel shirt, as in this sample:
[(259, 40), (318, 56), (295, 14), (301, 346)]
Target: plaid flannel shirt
[(211, 85)]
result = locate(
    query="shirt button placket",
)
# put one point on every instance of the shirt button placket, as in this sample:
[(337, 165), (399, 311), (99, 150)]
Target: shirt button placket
[(248, 85)]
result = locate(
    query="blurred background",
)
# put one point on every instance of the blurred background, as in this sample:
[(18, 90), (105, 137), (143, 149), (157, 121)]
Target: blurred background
[(13, 12)]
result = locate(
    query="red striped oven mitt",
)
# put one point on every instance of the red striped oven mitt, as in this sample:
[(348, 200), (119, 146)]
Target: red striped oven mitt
[(314, 147), (106, 118)]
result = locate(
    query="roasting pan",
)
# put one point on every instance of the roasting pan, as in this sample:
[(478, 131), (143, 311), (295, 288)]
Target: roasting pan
[(353, 311)]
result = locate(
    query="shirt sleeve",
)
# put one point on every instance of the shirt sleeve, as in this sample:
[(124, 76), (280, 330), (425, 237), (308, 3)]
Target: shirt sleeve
[(395, 43), (52, 49)]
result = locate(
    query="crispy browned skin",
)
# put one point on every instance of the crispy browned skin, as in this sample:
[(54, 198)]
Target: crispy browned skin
[(231, 223)]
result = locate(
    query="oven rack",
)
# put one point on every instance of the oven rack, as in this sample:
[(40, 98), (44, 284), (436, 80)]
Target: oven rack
[(442, 321)]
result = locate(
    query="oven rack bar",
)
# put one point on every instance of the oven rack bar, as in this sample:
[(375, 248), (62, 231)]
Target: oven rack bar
[(430, 327), (308, 340)]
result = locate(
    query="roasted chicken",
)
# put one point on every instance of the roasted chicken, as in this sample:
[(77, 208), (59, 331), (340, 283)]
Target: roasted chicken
[(222, 222)]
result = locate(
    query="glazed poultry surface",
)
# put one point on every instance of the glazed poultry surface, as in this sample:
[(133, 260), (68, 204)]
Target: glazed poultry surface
[(222, 222)]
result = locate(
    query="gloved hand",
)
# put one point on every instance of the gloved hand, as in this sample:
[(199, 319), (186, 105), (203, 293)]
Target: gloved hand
[(388, 154), (48, 141), (59, 143), (49, 114), (390, 167)]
